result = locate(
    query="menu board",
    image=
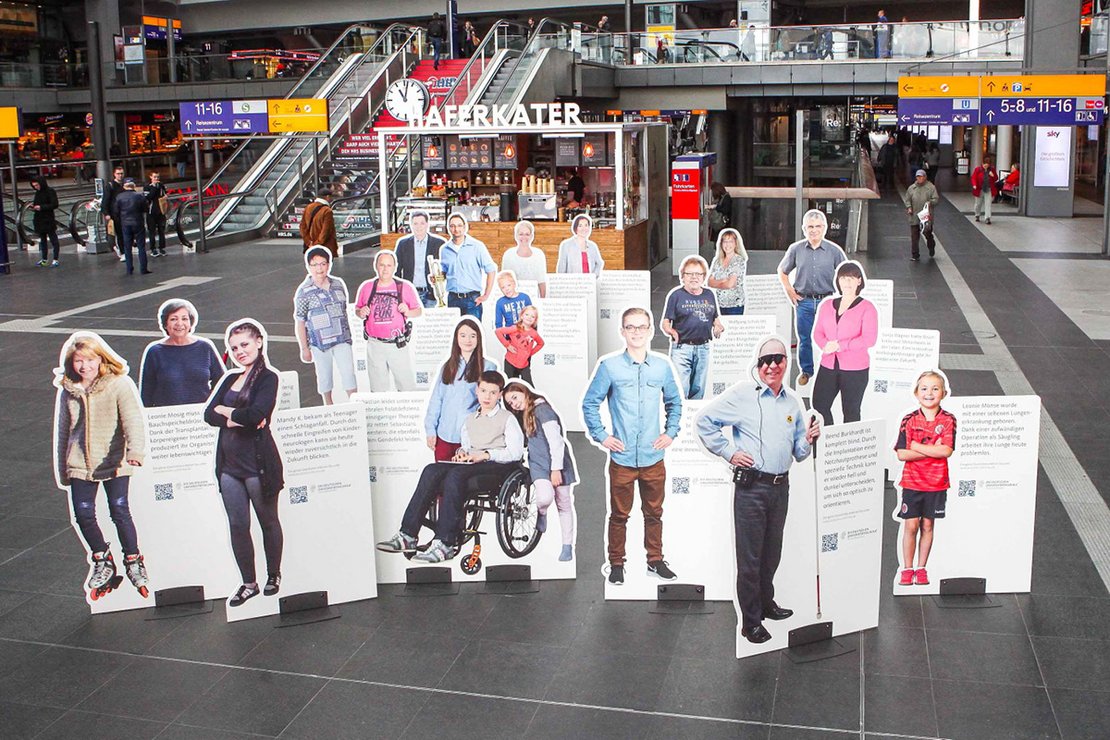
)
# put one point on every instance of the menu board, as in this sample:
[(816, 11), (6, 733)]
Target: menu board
[(469, 154), (566, 152), (505, 152), (594, 150), (431, 153)]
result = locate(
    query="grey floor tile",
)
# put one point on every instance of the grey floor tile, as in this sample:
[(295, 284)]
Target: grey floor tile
[(47, 573), (609, 679), (252, 701), (991, 711), (1082, 715), (978, 656), (1074, 664), (896, 651), (502, 668), (553, 722), (407, 658), (899, 705), (351, 710), (320, 650), (816, 698), (800, 733), (1067, 616), (128, 631), (22, 532), (61, 677), (154, 689), (527, 619), (482, 717), (628, 627), (665, 728), (1005, 618), (210, 637), (23, 721), (95, 726), (186, 732), (740, 689)]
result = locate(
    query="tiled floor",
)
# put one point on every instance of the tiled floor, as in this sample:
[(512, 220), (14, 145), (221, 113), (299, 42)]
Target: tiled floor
[(559, 662)]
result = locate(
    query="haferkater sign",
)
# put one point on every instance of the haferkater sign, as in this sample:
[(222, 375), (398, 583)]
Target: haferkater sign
[(500, 116)]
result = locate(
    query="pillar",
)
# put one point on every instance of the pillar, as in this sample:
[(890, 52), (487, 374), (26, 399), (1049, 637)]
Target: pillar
[(1004, 142), (976, 147), (721, 138)]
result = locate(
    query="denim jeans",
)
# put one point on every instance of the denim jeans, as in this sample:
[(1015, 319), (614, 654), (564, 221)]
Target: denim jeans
[(732, 310), (692, 363), (133, 235), (804, 313), (437, 47), (84, 511), (448, 482), (467, 306)]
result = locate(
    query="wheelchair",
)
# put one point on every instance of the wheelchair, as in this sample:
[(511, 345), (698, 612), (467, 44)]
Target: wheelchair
[(511, 498)]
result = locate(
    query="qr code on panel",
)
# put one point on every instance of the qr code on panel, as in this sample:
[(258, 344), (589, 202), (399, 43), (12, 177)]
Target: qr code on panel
[(548, 360), (373, 474), (422, 377), (718, 389), (163, 491), (880, 386), (966, 488), (830, 542), (298, 494), (360, 365), (605, 313), (680, 485)]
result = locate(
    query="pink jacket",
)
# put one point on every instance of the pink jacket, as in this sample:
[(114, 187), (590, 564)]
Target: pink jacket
[(857, 331)]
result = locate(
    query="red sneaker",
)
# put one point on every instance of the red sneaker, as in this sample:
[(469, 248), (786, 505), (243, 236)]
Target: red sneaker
[(921, 578), (907, 577)]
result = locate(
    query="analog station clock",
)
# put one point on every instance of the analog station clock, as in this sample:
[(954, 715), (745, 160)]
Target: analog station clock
[(406, 100)]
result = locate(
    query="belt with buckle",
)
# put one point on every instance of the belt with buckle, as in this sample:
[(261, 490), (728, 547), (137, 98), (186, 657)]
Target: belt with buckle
[(815, 296), (771, 478), (694, 342), (470, 294)]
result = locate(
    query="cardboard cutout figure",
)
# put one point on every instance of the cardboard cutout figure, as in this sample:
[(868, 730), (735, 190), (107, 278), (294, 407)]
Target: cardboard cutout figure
[(249, 468), (99, 440), (320, 321), (182, 368), (468, 266), (845, 328), (418, 259), (524, 260), (388, 305), (640, 391), (813, 260), (578, 253), (728, 272), (692, 320)]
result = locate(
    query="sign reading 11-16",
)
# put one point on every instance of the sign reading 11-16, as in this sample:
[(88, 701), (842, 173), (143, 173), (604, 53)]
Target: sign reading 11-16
[(239, 117)]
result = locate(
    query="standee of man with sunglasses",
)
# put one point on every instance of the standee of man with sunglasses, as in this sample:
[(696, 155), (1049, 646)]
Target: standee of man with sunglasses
[(769, 432)]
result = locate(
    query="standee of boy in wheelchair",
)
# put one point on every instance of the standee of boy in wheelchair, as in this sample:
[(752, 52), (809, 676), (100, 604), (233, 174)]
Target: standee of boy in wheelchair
[(486, 474)]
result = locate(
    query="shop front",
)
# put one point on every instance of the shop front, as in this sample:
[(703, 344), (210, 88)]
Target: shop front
[(536, 163), (152, 132)]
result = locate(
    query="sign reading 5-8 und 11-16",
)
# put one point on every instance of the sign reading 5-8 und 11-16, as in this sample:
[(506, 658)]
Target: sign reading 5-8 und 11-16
[(232, 117), (1038, 100)]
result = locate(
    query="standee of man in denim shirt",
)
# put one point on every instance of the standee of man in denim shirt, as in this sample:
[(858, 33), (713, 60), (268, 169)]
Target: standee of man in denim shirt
[(464, 260), (769, 432), (815, 260), (634, 382)]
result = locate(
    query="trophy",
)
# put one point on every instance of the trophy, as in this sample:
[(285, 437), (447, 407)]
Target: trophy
[(438, 280)]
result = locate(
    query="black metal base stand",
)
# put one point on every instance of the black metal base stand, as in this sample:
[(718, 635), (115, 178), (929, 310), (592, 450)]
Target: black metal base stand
[(307, 608), (964, 593), (429, 582), (507, 580), (183, 601), (814, 642), (680, 598)]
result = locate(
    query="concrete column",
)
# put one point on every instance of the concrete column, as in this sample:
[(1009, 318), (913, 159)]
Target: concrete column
[(720, 141), (976, 146), (1004, 141), (744, 173), (106, 14)]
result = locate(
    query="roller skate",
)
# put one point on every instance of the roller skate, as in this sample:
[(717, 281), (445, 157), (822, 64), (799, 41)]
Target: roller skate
[(104, 577), (136, 572)]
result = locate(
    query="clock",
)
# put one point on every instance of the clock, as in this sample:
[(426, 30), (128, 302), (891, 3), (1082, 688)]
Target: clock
[(406, 100)]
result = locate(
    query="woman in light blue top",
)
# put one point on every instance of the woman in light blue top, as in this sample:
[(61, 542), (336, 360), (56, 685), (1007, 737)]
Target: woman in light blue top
[(454, 394), (579, 253)]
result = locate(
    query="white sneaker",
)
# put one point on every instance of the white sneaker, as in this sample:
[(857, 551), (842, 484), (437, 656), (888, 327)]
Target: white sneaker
[(437, 552)]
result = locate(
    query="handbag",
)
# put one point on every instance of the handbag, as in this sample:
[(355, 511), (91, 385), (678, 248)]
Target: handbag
[(164, 204), (111, 228)]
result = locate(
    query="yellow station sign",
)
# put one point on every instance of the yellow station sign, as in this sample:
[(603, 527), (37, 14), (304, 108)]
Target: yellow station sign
[(9, 123), (938, 87), (298, 114), (1043, 86)]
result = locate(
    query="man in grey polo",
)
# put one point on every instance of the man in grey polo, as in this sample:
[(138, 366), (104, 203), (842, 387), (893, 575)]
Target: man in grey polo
[(815, 259)]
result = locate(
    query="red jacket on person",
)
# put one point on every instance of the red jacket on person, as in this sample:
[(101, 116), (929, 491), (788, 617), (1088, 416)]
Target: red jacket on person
[(977, 177)]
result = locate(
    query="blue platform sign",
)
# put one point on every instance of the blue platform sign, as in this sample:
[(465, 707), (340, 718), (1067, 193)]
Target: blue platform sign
[(938, 111), (1046, 111), (216, 117)]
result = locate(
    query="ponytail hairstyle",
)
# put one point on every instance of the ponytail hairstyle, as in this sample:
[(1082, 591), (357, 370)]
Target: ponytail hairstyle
[(477, 358), (254, 331)]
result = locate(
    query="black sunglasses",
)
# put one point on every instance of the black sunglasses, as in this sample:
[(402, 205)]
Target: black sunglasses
[(777, 359)]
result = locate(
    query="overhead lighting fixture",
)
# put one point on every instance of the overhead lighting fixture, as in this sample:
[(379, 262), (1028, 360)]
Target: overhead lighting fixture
[(588, 150)]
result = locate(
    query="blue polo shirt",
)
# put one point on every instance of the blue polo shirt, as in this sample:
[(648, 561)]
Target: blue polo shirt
[(466, 265), (771, 428), (634, 391)]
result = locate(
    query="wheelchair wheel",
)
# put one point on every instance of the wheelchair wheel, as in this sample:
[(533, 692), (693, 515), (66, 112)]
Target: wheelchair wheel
[(470, 566), (517, 515)]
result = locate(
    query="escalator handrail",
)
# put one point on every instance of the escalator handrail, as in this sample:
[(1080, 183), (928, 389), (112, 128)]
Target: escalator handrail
[(709, 47), (527, 46), (490, 36), (192, 198), (20, 215)]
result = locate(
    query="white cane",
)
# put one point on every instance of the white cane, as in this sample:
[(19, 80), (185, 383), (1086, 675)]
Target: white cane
[(816, 515)]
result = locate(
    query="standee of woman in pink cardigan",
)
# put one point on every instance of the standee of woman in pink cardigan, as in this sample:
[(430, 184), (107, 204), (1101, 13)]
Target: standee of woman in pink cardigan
[(845, 328)]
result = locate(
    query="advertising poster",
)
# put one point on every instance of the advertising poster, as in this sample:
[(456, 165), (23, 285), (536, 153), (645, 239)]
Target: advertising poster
[(764, 296), (986, 530), (617, 289), (1053, 157), (398, 454), (432, 332), (325, 511), (730, 354), (897, 359)]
